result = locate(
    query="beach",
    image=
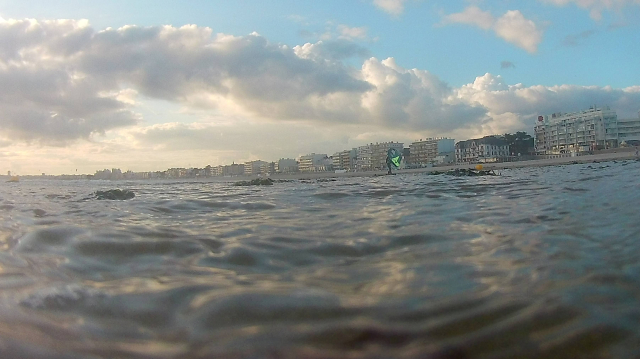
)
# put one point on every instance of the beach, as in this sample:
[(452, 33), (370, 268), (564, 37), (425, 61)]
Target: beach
[(617, 155)]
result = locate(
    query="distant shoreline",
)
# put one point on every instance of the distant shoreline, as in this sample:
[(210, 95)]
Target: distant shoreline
[(611, 156), (618, 154)]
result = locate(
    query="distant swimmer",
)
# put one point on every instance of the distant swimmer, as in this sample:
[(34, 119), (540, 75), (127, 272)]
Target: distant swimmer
[(393, 159)]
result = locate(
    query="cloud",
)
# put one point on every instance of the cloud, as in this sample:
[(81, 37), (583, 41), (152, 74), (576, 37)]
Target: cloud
[(507, 65), (524, 103), (330, 50), (596, 7), (512, 26), (414, 99), (574, 40), (393, 7), (68, 81), (352, 32), (62, 81), (471, 15)]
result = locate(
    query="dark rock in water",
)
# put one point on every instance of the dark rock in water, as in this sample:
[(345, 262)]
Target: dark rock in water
[(115, 194), (461, 172), (255, 182)]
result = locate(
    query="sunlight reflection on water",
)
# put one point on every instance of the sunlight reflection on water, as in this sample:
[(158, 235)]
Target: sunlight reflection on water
[(536, 263)]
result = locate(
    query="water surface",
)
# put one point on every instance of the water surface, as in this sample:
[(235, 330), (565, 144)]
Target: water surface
[(534, 263)]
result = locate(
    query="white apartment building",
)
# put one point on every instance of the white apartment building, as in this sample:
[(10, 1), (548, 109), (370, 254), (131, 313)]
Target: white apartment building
[(287, 165), (314, 163), (486, 149), (595, 128), (379, 153), (363, 158), (345, 160), (629, 130), (373, 156), (425, 152), (253, 168)]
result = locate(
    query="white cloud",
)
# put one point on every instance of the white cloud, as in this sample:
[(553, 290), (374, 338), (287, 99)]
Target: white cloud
[(414, 99), (596, 7), (330, 50), (242, 97), (352, 32), (472, 15), (67, 69), (512, 27), (393, 7), (515, 29), (68, 81), (524, 103)]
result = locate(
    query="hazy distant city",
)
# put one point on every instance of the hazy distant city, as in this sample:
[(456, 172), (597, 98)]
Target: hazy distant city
[(558, 134)]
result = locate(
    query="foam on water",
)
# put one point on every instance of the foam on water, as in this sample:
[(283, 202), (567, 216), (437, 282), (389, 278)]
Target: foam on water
[(535, 263)]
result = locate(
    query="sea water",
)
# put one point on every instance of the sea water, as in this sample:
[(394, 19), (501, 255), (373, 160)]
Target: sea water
[(533, 263)]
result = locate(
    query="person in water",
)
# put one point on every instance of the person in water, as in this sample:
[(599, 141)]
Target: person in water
[(393, 159)]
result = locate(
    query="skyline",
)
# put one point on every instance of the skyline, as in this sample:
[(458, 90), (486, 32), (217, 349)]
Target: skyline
[(157, 84)]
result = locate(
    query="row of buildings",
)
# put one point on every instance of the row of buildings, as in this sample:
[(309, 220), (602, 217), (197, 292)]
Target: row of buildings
[(558, 133), (592, 129)]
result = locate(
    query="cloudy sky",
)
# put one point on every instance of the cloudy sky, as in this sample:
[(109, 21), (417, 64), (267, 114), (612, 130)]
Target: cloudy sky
[(151, 84)]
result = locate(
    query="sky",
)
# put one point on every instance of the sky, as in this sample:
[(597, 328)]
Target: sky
[(150, 85)]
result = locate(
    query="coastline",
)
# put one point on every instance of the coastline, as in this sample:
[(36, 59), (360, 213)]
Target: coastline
[(602, 157), (612, 155)]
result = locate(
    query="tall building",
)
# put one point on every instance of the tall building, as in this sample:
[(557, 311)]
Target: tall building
[(486, 149), (253, 168), (379, 153), (373, 156), (424, 152), (629, 130), (233, 169), (314, 163), (595, 128), (287, 165), (363, 158), (345, 160)]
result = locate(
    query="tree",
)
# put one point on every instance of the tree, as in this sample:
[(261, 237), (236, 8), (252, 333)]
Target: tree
[(519, 143)]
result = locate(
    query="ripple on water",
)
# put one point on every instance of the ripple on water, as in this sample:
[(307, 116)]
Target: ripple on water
[(180, 206)]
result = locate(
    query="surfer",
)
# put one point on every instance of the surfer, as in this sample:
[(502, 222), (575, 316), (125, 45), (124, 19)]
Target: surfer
[(393, 159)]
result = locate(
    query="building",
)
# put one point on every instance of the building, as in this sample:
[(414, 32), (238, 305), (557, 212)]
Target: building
[(254, 168), (431, 151), (315, 163), (595, 128), (379, 153), (363, 158), (287, 165), (629, 131), (345, 160), (485, 149), (268, 168), (229, 170)]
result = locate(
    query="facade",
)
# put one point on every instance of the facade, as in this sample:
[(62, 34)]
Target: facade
[(373, 156), (363, 158), (314, 163), (230, 170), (379, 153), (253, 168), (286, 165), (629, 131), (595, 128), (486, 149), (345, 160), (268, 168), (430, 151)]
